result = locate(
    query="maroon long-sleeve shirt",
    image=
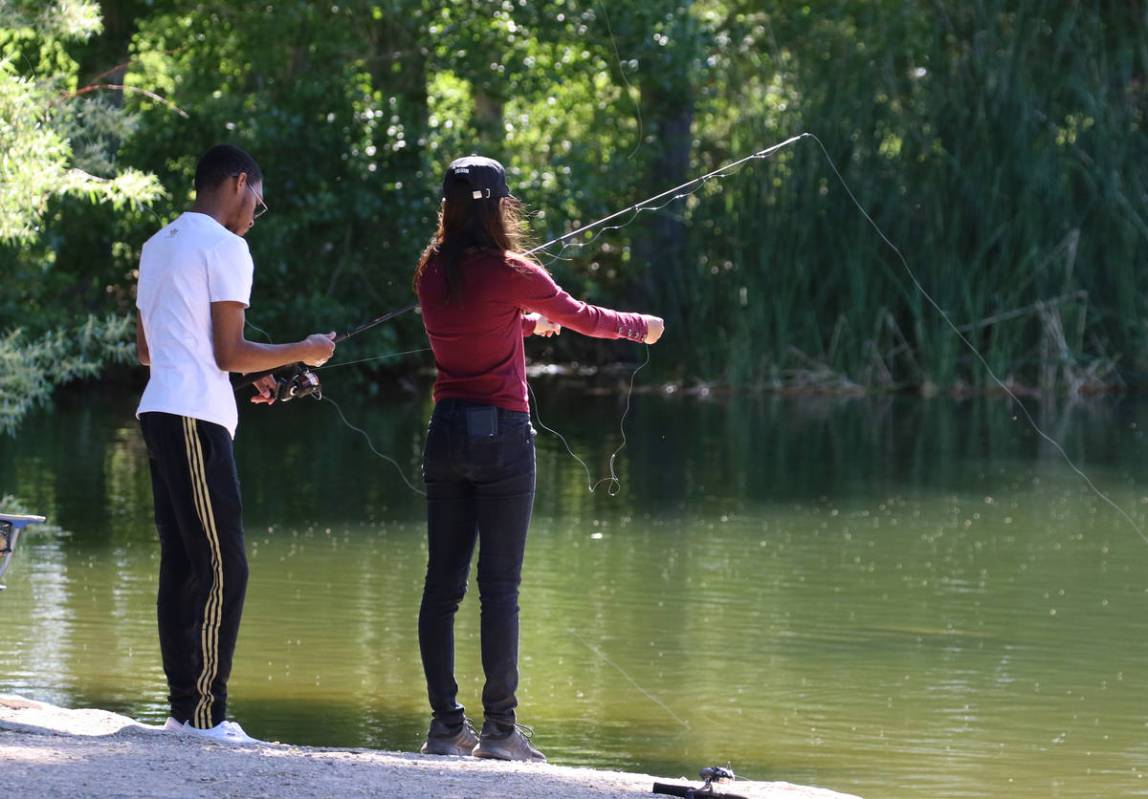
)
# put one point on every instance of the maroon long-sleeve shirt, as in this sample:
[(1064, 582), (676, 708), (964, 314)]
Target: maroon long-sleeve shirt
[(477, 337)]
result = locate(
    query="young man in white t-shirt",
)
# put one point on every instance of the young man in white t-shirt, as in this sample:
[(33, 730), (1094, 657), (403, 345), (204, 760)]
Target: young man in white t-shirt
[(194, 289)]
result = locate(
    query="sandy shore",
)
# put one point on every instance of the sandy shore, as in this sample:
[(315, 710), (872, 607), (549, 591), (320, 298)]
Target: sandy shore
[(49, 752)]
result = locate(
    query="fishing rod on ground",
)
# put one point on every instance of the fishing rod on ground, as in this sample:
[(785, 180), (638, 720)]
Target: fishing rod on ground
[(298, 380), (711, 775)]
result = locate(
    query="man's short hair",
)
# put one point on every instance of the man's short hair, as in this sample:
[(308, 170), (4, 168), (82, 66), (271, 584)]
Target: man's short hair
[(224, 161)]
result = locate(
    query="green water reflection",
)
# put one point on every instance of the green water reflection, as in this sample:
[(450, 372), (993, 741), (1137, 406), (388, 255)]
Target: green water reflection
[(894, 598)]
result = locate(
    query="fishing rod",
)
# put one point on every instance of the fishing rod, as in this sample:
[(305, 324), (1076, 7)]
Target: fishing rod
[(712, 775), (378, 320), (672, 193), (302, 381)]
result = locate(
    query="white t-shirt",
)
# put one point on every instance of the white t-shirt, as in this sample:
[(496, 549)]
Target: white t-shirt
[(185, 267)]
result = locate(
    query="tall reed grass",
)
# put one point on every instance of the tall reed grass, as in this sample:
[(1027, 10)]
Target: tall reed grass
[(999, 144)]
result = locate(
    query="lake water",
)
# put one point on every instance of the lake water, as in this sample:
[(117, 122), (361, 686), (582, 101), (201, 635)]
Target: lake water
[(891, 597)]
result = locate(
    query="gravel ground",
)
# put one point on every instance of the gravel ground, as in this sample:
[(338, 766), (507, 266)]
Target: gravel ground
[(51, 752)]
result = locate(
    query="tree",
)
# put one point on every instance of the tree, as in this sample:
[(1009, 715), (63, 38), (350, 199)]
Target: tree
[(57, 142), (54, 142)]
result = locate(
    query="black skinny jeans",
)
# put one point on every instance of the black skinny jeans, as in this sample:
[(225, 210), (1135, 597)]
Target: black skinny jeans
[(478, 465)]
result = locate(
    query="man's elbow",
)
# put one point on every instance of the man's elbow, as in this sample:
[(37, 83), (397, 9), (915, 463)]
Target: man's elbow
[(225, 359)]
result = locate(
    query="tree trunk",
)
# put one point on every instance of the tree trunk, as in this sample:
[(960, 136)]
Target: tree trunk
[(488, 120), (662, 240), (396, 39)]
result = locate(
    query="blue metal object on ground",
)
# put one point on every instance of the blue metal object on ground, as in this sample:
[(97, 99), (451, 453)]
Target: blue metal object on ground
[(11, 525)]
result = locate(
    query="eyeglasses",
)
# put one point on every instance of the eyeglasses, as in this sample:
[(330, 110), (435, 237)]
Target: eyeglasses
[(262, 209)]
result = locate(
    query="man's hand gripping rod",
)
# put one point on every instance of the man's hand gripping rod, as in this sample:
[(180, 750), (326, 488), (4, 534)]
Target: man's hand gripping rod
[(302, 382)]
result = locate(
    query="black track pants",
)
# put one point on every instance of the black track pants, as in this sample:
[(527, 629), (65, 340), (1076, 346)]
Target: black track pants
[(203, 566)]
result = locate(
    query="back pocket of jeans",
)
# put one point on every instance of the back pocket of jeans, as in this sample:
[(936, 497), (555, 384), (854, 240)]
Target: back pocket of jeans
[(484, 453)]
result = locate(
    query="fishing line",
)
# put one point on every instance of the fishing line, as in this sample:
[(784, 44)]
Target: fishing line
[(363, 433), (614, 482), (374, 358), (688, 188), (631, 213), (343, 416), (679, 192), (633, 682), (625, 80), (666, 197), (258, 330), (552, 257), (1024, 410), (634, 213)]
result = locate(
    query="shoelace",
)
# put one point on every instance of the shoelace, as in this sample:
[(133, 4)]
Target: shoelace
[(526, 731)]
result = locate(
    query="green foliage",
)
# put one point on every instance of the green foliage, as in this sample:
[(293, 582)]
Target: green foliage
[(61, 19), (30, 368), (1000, 144), (53, 144), (9, 504), (31, 147), (990, 147), (59, 142)]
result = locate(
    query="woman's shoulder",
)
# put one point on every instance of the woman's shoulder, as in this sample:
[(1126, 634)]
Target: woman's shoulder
[(525, 265), (510, 270)]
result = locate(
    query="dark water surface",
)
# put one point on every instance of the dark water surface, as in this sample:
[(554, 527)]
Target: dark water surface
[(896, 598)]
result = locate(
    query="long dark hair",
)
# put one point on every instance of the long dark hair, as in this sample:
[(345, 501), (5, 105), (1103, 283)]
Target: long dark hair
[(467, 225)]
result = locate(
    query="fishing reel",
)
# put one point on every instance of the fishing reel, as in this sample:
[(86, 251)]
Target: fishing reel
[(711, 775), (300, 382)]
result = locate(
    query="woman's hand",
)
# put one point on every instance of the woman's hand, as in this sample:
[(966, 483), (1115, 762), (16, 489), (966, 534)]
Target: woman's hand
[(544, 327), (655, 326)]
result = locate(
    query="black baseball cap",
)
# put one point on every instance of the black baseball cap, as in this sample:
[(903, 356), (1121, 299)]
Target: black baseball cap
[(474, 177)]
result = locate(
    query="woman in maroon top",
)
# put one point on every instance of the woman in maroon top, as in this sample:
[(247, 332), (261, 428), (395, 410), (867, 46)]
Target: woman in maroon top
[(480, 296)]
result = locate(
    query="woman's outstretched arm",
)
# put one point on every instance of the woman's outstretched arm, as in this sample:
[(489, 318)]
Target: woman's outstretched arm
[(537, 292)]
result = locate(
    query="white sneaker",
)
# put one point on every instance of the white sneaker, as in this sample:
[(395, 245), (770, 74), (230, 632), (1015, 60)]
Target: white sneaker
[(228, 732)]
